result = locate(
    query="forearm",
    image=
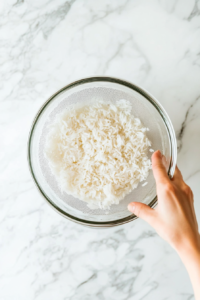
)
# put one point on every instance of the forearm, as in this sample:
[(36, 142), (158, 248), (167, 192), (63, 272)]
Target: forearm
[(191, 260)]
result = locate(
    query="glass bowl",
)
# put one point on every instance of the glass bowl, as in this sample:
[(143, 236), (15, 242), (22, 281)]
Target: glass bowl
[(145, 106)]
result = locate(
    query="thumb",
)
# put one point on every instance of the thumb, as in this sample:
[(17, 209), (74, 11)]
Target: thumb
[(142, 211)]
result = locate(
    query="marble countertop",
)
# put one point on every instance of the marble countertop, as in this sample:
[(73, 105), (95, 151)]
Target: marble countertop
[(44, 45)]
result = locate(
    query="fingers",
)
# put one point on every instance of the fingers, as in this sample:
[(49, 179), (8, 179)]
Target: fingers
[(177, 175), (142, 211), (159, 169)]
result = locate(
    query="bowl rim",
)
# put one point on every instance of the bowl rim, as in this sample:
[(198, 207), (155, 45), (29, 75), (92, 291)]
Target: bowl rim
[(152, 100)]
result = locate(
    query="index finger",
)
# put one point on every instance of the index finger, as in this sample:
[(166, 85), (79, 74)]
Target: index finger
[(159, 169)]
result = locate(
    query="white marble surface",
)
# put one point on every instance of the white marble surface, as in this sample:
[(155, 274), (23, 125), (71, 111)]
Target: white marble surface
[(45, 44)]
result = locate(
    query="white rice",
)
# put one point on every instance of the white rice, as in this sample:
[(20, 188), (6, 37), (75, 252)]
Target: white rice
[(98, 152)]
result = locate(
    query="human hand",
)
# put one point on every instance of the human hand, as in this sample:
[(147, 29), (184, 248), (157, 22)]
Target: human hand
[(174, 218)]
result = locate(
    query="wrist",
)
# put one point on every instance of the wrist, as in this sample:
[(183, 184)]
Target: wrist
[(189, 253)]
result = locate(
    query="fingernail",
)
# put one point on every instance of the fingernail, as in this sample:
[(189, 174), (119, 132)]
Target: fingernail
[(131, 207), (164, 162), (159, 154)]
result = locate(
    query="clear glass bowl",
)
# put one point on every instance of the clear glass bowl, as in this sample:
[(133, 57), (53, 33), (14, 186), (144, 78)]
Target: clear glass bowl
[(145, 106)]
